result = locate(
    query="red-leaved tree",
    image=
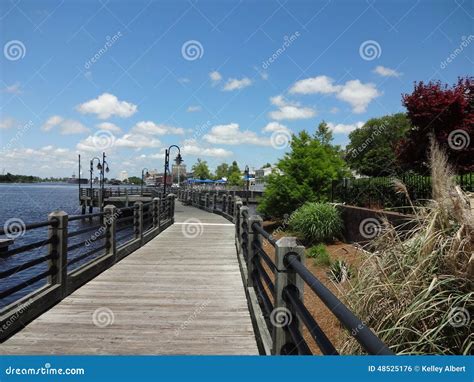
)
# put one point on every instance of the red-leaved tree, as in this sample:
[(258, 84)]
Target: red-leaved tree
[(445, 112)]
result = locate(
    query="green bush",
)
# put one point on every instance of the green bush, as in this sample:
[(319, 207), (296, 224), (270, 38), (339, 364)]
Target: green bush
[(340, 271), (317, 222), (320, 255)]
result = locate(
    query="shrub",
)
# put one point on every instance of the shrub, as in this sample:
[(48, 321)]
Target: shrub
[(340, 271), (320, 255), (317, 222)]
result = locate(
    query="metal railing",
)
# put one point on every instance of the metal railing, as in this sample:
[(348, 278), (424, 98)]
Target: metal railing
[(274, 275), (76, 249)]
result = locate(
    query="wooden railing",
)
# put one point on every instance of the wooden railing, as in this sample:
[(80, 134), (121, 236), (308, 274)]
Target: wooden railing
[(69, 257), (274, 276)]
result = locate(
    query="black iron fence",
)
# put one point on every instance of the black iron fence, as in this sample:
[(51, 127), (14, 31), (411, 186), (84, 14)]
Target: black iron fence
[(275, 275), (381, 192)]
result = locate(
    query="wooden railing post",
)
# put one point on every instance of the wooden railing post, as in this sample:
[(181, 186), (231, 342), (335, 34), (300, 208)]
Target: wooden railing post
[(156, 212), (238, 206), (254, 238), (58, 249), (138, 220), (282, 315), (170, 198), (224, 203), (110, 229), (243, 229), (214, 202), (230, 202), (206, 203)]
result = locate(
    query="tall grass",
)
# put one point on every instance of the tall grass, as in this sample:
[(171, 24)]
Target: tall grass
[(317, 222), (416, 290)]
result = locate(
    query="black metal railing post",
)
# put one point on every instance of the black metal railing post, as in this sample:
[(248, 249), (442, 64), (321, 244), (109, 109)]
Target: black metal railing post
[(254, 238), (57, 232), (138, 221), (283, 315), (156, 212), (238, 206), (110, 229), (170, 198)]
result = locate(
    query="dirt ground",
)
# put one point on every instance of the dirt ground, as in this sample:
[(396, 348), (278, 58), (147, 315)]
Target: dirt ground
[(323, 316)]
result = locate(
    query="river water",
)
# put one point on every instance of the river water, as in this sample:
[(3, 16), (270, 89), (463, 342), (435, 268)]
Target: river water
[(31, 203)]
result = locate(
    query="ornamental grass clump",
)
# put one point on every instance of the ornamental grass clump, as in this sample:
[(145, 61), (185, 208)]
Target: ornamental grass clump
[(415, 290), (316, 222)]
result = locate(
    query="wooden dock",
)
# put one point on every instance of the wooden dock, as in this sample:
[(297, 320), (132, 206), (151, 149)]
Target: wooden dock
[(181, 293)]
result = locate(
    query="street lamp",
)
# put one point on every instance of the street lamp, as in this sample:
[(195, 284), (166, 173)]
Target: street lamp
[(178, 160), (143, 173), (105, 168), (247, 173), (102, 167)]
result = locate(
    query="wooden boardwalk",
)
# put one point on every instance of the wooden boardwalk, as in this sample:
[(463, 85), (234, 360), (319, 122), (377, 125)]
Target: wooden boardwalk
[(181, 293)]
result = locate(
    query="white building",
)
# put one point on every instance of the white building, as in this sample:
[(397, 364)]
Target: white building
[(123, 176)]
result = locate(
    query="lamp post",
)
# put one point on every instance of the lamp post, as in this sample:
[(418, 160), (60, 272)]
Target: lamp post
[(105, 168), (143, 173), (99, 167), (247, 173), (102, 167), (178, 160)]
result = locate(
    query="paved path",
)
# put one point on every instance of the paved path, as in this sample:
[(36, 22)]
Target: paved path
[(181, 293)]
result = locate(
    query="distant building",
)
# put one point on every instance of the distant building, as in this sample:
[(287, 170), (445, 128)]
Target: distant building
[(178, 172), (123, 176), (261, 176)]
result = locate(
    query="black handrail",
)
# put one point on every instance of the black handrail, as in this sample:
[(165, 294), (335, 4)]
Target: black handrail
[(85, 255), (265, 257), (366, 338), (84, 230), (26, 283), (257, 227), (22, 267), (26, 247), (85, 216)]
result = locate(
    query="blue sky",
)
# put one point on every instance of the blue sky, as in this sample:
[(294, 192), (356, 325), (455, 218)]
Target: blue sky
[(224, 80)]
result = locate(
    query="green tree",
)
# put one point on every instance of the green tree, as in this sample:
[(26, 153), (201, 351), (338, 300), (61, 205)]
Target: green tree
[(371, 150), (235, 179), (234, 168), (201, 170), (267, 165), (134, 180), (307, 172), (222, 171)]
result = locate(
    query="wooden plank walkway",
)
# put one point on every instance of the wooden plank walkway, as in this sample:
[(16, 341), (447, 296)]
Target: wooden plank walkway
[(181, 293)]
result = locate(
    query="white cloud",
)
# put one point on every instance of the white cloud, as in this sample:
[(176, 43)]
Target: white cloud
[(215, 77), (341, 128), (289, 110), (358, 95), (231, 134), (354, 92), (190, 147), (109, 127), (66, 126), (319, 84), (193, 109), (275, 126), (137, 141), (236, 84), (386, 72), (151, 128), (7, 123), (106, 106), (13, 89), (184, 80)]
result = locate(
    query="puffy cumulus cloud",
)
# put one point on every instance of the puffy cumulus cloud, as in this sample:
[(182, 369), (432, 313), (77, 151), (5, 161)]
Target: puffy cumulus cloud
[(289, 110), (359, 95), (236, 84), (231, 134), (151, 128), (109, 127), (65, 126), (271, 127), (193, 109), (137, 141), (215, 77), (341, 128), (191, 147), (319, 84), (99, 142), (107, 105), (386, 72)]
